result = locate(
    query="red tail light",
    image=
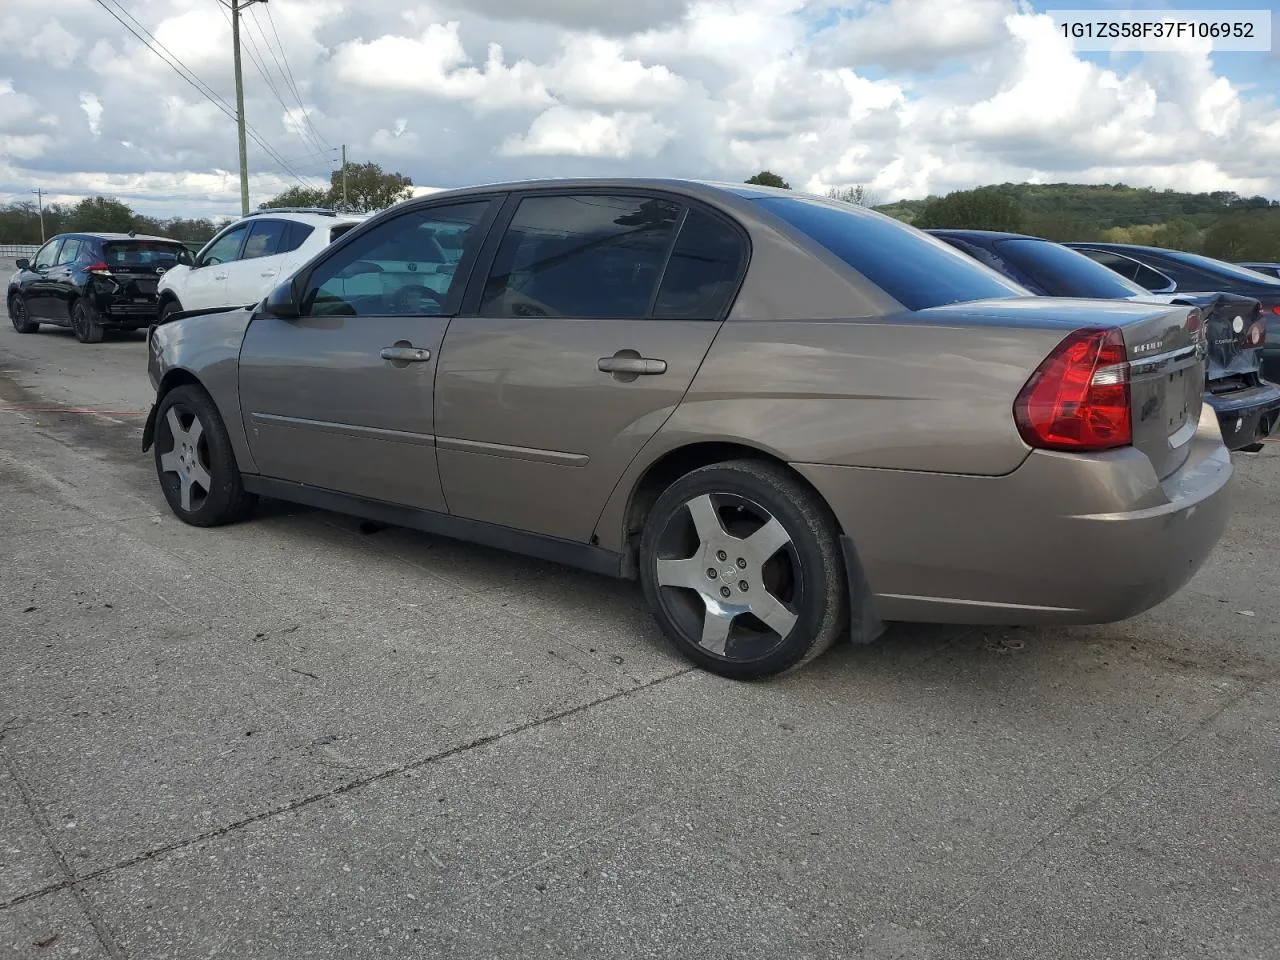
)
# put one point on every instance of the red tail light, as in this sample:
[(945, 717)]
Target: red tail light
[(1078, 398), (1255, 335), (100, 267), (1276, 309), (1195, 322)]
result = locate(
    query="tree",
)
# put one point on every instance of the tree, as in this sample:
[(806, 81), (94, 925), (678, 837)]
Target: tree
[(105, 214), (857, 195), (767, 178), (299, 197), (1247, 235), (986, 208), (369, 188)]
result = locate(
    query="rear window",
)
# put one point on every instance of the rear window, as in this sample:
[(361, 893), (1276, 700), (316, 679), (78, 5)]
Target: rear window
[(1063, 272), (144, 253), (917, 270), (1223, 268)]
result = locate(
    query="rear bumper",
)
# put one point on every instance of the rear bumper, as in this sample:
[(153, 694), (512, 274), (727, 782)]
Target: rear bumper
[(1062, 539), (125, 312), (1246, 416)]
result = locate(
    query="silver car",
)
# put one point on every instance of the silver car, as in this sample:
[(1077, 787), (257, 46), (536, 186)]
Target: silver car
[(788, 417)]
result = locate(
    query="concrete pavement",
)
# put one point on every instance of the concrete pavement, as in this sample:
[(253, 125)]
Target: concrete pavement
[(293, 738)]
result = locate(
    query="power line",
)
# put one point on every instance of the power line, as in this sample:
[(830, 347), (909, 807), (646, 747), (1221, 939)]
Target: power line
[(293, 84), (176, 64), (259, 63)]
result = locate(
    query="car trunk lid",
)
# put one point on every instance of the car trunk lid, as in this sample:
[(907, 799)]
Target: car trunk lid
[(136, 266), (1166, 383), (1234, 335)]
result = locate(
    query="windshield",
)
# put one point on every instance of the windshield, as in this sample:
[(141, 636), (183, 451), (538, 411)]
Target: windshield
[(1063, 272), (917, 270), (145, 253)]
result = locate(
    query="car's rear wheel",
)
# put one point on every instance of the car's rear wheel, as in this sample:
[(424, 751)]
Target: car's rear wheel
[(195, 462), (19, 317), (84, 323), (741, 564)]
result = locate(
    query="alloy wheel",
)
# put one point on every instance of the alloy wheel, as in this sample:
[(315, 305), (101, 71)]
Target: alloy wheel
[(188, 458), (729, 575)]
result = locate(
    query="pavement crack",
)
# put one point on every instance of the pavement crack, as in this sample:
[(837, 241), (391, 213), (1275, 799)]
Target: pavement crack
[(69, 881), (74, 881)]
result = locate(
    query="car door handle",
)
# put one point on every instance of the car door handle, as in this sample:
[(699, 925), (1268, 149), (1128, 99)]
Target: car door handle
[(401, 354), (219, 276), (633, 365)]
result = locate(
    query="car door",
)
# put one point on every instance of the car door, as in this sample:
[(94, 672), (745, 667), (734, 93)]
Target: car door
[(206, 282), (35, 283), (341, 397), (62, 289), (253, 275), (593, 314)]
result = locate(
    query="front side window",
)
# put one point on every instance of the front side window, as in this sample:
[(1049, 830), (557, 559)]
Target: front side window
[(265, 238), (226, 248), (917, 270), (581, 256), (407, 266), (70, 250), (45, 255)]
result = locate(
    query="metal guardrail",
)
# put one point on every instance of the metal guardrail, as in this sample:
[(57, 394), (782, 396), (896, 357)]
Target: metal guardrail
[(11, 251)]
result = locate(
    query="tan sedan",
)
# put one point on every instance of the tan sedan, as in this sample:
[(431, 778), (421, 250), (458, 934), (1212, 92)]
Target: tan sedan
[(786, 416)]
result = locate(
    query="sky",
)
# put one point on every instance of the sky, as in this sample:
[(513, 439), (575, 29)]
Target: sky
[(905, 97)]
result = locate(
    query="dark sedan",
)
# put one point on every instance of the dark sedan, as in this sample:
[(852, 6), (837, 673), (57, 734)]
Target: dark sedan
[(1247, 406), (1268, 269), (92, 282), (1174, 271)]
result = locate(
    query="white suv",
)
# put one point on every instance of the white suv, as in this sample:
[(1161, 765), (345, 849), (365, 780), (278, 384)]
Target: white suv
[(244, 262)]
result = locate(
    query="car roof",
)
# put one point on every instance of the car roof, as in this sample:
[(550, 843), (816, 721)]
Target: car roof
[(1257, 263), (983, 234), (93, 235), (706, 189), (311, 219)]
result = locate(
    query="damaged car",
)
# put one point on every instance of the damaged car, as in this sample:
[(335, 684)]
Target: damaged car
[(1235, 328)]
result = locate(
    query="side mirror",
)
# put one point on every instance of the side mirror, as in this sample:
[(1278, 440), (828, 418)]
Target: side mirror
[(281, 303), (23, 263)]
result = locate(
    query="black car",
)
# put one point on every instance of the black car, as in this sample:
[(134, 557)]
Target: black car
[(1174, 271), (1267, 269), (92, 282), (1247, 406)]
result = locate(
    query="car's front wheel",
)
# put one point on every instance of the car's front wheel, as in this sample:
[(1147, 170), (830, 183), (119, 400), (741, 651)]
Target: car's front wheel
[(19, 316), (741, 564), (195, 462), (168, 308), (84, 323)]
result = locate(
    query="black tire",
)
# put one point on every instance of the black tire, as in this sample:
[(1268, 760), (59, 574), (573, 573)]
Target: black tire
[(168, 307), (19, 316), (84, 323), (804, 576), (225, 500)]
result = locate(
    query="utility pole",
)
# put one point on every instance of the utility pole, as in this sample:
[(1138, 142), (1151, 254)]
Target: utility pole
[(40, 206), (236, 7), (345, 208)]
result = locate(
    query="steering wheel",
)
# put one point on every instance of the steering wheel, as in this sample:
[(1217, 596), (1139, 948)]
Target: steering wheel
[(359, 267), (411, 299)]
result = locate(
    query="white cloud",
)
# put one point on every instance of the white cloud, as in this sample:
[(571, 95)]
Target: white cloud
[(564, 131), (436, 64), (907, 97), (92, 108)]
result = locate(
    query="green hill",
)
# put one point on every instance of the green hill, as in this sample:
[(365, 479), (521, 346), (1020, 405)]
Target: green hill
[(1221, 223)]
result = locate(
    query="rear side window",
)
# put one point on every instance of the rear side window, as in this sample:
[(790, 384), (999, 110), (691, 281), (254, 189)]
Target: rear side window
[(703, 270), (70, 251), (1062, 272), (592, 256), (144, 253), (265, 237), (1130, 269), (295, 235), (334, 232), (917, 270)]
